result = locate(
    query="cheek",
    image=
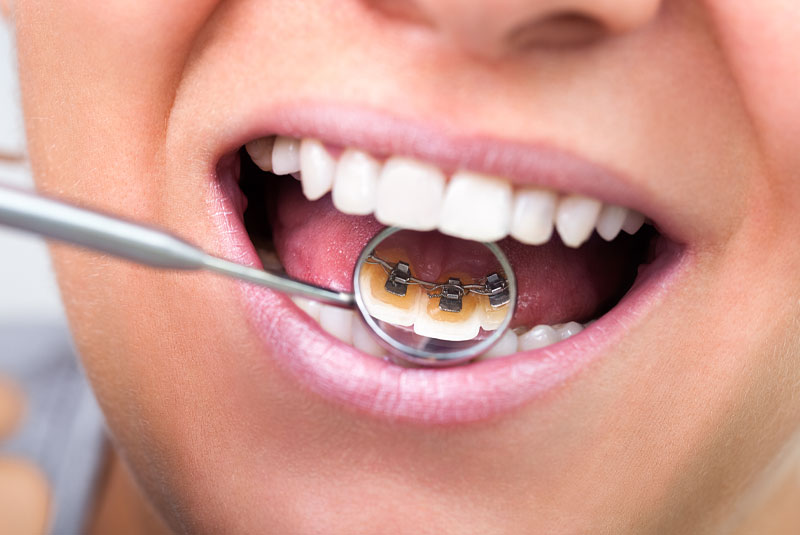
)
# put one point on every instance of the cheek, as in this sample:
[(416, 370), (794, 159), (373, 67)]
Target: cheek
[(122, 36), (98, 81), (129, 28), (761, 48)]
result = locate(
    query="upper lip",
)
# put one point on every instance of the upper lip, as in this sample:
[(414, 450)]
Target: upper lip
[(452, 395)]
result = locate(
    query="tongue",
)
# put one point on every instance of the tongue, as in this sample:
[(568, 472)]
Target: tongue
[(318, 244)]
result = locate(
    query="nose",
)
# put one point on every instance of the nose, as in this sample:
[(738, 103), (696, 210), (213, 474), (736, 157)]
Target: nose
[(496, 28)]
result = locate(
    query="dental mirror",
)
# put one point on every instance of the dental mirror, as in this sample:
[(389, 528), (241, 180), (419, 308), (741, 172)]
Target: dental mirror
[(432, 299)]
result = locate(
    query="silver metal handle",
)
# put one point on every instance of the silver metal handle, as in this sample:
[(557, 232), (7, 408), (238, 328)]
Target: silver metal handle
[(140, 243)]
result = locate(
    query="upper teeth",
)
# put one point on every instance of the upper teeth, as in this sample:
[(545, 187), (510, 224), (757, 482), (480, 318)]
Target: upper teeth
[(407, 193)]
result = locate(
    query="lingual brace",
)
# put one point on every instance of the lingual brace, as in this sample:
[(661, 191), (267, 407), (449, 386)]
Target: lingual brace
[(450, 293)]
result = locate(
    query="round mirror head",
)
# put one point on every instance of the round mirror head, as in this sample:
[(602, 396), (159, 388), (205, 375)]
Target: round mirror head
[(433, 299)]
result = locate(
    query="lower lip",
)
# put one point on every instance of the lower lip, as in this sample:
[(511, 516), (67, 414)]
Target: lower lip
[(464, 394)]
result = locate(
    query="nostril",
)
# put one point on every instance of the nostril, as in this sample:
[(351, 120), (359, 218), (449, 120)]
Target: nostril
[(559, 30)]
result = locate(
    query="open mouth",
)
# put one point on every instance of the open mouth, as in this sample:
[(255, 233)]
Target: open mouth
[(309, 208)]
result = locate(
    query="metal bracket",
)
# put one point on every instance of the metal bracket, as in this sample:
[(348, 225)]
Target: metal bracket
[(451, 296), (497, 288), (399, 277)]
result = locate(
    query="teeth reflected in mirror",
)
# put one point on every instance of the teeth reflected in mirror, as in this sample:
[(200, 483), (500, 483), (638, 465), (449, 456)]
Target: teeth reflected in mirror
[(433, 299), (450, 307), (434, 322), (389, 307), (491, 317)]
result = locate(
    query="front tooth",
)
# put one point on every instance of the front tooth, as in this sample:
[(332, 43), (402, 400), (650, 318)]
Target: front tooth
[(532, 215), (316, 169), (364, 340), (569, 329), (433, 322), (633, 222), (394, 309), (285, 155), (260, 152), (610, 221), (538, 337), (576, 216), (490, 317), (476, 207), (507, 345), (409, 194), (355, 182), (337, 322)]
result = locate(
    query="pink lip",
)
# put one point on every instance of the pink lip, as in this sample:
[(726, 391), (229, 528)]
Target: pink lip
[(443, 396)]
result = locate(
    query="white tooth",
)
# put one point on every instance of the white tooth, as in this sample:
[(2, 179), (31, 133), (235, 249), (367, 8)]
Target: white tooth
[(409, 194), (569, 329), (337, 322), (507, 345), (532, 216), (490, 318), (355, 182), (476, 207), (260, 152), (452, 326), (538, 337), (317, 168), (610, 221), (633, 222), (285, 155), (309, 306), (576, 216), (364, 339), (388, 312), (466, 329), (297, 175)]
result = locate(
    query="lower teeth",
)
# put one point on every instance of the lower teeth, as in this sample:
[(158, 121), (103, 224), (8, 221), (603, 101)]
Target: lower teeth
[(346, 326)]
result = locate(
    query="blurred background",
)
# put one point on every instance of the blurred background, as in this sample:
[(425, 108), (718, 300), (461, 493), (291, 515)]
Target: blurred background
[(62, 430), (28, 293)]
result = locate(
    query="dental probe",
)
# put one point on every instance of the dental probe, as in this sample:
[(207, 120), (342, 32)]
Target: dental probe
[(140, 243)]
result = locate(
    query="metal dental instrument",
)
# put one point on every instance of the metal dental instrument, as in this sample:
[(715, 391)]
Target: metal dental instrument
[(151, 246), (138, 242)]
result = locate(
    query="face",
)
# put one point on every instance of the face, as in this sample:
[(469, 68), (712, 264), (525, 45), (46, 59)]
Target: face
[(236, 410)]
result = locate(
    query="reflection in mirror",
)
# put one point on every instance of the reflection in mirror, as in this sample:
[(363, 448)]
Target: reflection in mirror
[(434, 296)]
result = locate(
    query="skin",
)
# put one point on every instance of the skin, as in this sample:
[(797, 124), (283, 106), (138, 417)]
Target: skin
[(686, 427)]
